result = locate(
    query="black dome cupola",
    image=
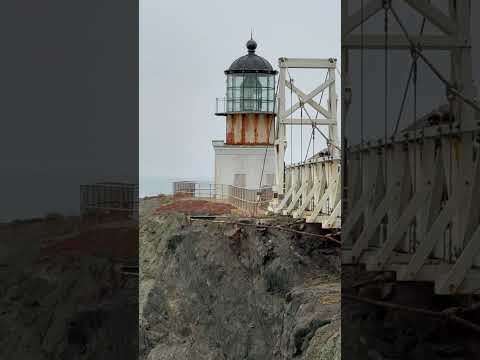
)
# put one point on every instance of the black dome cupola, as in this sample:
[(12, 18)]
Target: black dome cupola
[(250, 85), (251, 62)]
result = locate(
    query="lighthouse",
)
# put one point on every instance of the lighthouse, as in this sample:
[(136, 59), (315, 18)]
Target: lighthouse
[(246, 157)]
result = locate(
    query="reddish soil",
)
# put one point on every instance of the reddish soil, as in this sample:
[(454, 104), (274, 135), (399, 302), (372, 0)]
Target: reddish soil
[(123, 243), (196, 207), (112, 243)]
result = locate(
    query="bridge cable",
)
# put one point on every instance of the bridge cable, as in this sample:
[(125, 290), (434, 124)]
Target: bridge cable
[(386, 6), (312, 135), (308, 147), (301, 129), (313, 142), (291, 118), (362, 55), (268, 141), (407, 85), (329, 142), (451, 140), (415, 115), (450, 87), (301, 141)]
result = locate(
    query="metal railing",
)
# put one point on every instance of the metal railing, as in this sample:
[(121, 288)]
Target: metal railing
[(109, 196), (224, 105), (250, 201)]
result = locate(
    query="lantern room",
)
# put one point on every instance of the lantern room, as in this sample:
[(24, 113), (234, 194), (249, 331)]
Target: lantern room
[(250, 85), (249, 104)]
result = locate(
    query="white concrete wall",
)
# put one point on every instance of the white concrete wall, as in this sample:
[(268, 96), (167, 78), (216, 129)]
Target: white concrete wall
[(241, 159)]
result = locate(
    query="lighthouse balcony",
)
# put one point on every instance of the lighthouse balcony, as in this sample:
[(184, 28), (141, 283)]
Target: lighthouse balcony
[(226, 106)]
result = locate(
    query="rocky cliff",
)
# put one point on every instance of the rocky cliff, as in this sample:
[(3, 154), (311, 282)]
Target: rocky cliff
[(62, 295), (232, 290)]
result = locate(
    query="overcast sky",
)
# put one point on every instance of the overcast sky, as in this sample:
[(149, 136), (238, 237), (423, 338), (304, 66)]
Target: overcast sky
[(183, 53)]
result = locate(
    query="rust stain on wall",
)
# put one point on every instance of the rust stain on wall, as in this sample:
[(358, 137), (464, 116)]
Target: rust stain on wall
[(270, 129), (230, 133), (244, 128), (255, 128), (249, 129)]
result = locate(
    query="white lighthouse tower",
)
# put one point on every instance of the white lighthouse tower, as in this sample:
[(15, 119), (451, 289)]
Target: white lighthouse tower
[(249, 109)]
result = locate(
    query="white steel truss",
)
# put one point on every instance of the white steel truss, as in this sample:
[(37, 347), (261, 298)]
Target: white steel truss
[(310, 189), (421, 217)]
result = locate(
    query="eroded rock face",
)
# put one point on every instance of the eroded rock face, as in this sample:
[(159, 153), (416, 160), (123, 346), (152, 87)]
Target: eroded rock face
[(63, 305), (68, 308), (222, 291)]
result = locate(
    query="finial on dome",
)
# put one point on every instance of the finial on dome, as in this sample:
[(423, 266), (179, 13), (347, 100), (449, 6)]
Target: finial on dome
[(251, 44)]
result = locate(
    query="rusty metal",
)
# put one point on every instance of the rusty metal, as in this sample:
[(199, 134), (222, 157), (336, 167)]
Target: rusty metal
[(249, 129)]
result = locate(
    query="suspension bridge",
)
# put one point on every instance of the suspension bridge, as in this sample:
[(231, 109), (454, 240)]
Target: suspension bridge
[(309, 189), (410, 198)]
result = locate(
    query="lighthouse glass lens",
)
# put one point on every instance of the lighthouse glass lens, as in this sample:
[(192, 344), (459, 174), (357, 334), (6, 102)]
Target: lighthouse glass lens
[(250, 92), (237, 80)]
